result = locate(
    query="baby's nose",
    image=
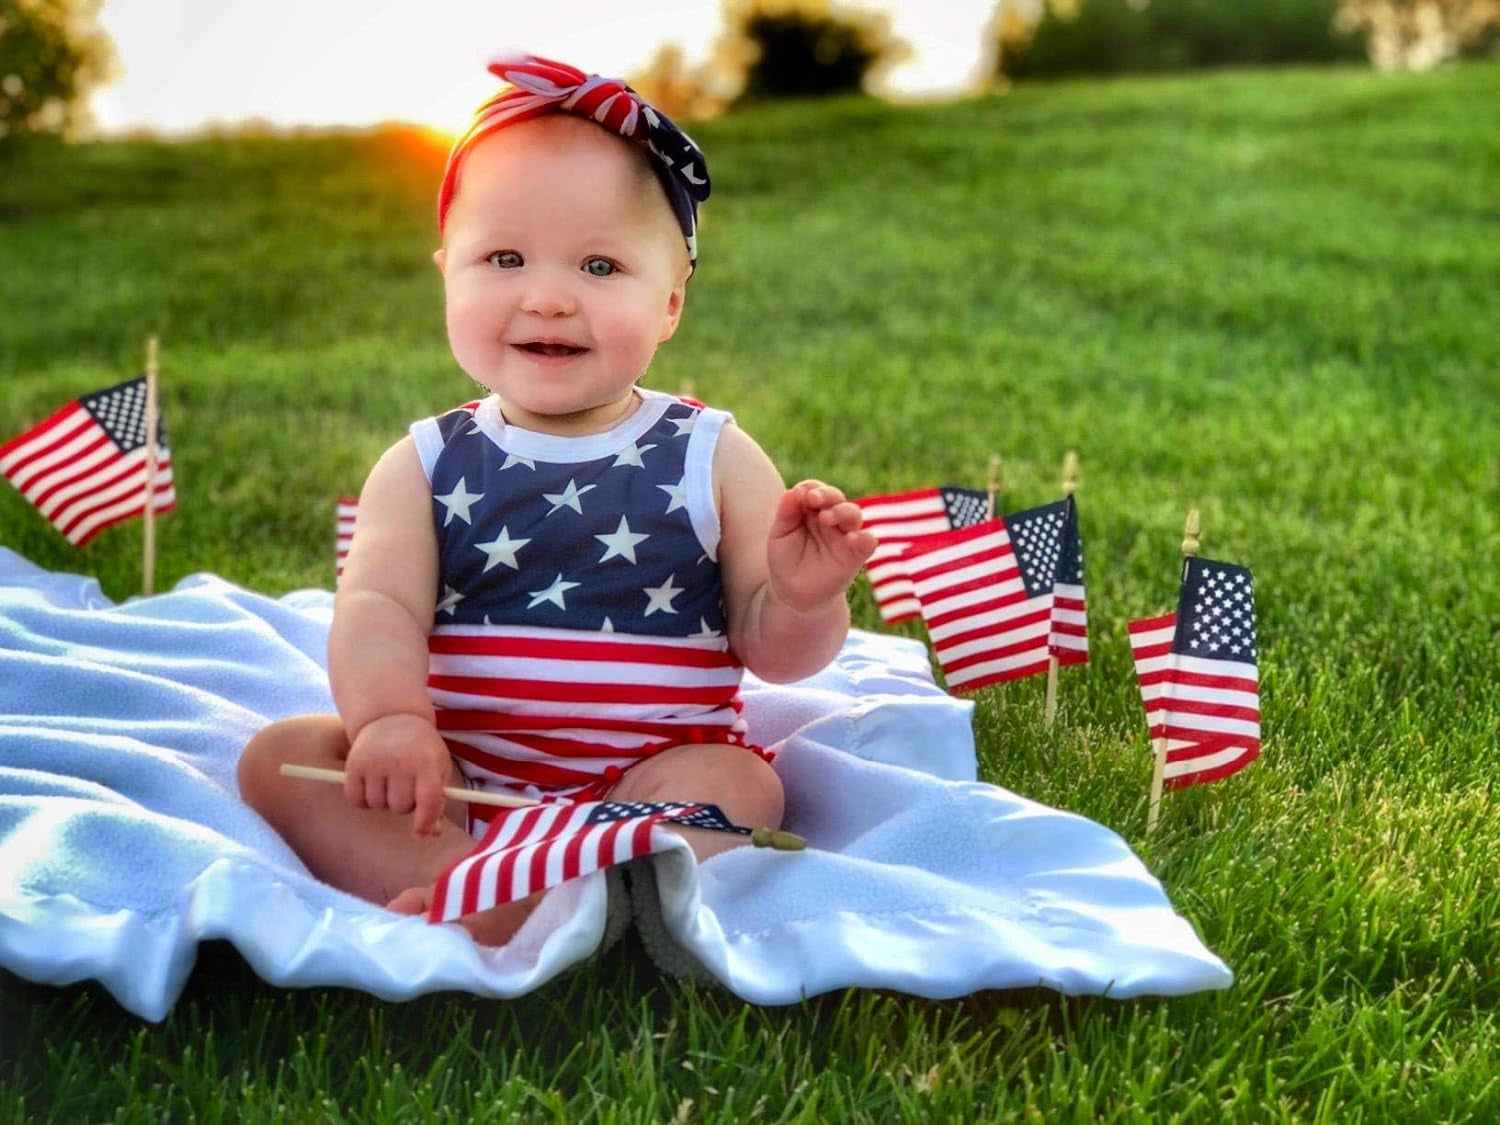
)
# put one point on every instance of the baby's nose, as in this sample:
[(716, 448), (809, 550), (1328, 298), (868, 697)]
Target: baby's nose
[(548, 296)]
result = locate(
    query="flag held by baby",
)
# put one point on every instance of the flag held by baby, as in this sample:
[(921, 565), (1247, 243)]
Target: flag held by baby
[(532, 849)]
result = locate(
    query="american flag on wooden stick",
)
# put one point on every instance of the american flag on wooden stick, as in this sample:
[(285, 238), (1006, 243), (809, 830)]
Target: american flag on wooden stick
[(345, 508), (990, 595), (531, 849), (85, 467), (1197, 671), (895, 519)]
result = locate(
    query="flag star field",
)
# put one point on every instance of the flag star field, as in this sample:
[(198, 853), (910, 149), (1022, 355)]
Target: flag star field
[(1219, 621), (1036, 536), (121, 413), (964, 506)]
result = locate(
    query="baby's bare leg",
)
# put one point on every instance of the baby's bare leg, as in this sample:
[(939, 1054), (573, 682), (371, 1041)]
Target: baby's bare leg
[(742, 784), (367, 852)]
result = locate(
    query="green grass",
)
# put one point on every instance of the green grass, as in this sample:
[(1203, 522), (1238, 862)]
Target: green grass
[(1269, 296)]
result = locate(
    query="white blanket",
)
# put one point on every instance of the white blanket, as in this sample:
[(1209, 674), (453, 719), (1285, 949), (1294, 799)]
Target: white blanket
[(123, 842)]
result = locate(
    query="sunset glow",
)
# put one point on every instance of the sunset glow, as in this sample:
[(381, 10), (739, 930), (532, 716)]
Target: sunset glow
[(192, 63)]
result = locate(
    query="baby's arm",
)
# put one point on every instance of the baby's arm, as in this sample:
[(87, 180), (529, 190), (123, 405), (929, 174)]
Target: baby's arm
[(377, 647), (787, 556)]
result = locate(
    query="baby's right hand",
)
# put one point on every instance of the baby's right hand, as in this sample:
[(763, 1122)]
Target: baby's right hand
[(399, 763)]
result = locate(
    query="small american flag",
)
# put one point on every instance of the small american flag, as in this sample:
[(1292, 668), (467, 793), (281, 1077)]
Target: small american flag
[(990, 595), (1197, 672), (895, 519), (85, 467), (1069, 639), (345, 508), (530, 849)]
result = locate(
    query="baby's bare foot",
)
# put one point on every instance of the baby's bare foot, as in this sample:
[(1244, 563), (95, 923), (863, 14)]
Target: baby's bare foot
[(499, 924), (413, 900), (494, 926)]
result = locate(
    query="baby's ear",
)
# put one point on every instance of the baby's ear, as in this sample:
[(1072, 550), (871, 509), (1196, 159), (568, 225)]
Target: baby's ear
[(440, 258), (673, 315)]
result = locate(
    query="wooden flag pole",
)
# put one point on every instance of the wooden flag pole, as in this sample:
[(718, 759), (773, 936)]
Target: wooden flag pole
[(1070, 472), (1069, 487), (148, 535), (470, 796), (777, 838), (1191, 545), (993, 486)]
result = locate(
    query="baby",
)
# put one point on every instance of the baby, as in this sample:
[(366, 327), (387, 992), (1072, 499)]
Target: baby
[(552, 592)]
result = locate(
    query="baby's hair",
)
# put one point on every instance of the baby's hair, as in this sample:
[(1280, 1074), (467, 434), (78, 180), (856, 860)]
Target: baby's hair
[(541, 87)]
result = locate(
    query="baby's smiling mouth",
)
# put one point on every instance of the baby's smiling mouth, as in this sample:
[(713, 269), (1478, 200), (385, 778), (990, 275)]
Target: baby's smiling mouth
[(552, 348)]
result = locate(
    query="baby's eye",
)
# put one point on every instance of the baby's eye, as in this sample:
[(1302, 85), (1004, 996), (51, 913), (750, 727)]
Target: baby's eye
[(505, 259), (599, 267)]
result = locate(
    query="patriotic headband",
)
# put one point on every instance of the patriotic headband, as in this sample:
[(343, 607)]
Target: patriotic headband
[(539, 86)]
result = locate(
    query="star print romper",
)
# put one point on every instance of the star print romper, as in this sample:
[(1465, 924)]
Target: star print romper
[(580, 620)]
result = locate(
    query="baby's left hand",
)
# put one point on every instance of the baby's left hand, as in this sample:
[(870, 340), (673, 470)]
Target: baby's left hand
[(817, 545)]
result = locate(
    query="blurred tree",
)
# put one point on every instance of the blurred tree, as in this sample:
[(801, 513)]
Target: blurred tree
[(1054, 37), (1420, 34), (52, 53), (682, 92), (802, 48)]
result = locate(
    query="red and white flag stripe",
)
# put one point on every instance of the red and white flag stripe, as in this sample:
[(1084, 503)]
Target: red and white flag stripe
[(531, 849), (1151, 649), (1191, 763), (345, 509), (1207, 710), (895, 520), (570, 709), (983, 626), (1070, 624)]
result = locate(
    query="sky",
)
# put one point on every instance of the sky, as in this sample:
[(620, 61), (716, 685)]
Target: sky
[(191, 63)]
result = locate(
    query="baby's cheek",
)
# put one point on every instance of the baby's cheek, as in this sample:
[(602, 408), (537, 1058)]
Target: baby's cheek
[(470, 334), (628, 333)]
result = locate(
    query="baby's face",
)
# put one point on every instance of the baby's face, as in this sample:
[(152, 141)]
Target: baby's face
[(563, 270)]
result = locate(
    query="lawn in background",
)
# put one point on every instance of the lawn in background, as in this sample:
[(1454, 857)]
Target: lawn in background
[(1268, 296)]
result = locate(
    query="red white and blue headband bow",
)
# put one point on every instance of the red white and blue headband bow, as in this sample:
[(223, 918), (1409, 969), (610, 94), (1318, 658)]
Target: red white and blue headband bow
[(539, 86)]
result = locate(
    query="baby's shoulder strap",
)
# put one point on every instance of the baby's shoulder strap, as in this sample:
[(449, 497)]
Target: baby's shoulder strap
[(431, 435)]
